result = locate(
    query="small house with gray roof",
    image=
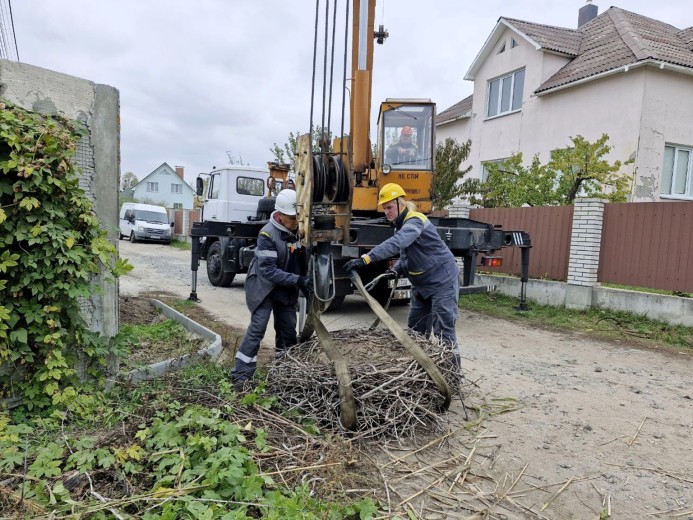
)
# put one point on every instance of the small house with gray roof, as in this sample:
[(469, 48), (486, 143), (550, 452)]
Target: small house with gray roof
[(618, 73)]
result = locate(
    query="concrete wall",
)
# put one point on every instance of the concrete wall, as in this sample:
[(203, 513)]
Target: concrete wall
[(98, 154), (670, 309)]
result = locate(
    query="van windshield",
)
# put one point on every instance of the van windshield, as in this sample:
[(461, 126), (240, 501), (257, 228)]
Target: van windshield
[(151, 216)]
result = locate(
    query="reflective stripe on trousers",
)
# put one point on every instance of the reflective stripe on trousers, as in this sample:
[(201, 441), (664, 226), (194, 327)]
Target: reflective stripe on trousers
[(285, 336)]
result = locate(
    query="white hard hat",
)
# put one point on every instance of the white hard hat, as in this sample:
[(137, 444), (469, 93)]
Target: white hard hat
[(286, 202)]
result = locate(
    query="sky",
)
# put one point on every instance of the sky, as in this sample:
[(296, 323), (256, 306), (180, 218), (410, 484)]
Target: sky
[(203, 80)]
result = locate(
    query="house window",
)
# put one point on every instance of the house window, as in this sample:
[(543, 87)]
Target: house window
[(677, 179), (505, 94), (177, 205), (485, 170), (176, 188), (152, 186), (513, 43), (502, 49)]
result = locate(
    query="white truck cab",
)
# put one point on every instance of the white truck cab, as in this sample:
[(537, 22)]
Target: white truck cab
[(233, 193), (144, 222)]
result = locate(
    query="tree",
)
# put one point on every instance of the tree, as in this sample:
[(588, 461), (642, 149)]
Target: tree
[(510, 184), (286, 154), (585, 172), (233, 160), (128, 180), (577, 170), (446, 186)]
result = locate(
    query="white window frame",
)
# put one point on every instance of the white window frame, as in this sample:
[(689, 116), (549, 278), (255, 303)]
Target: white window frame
[(499, 102), (177, 205), (688, 182), (484, 170), (176, 188), (153, 186)]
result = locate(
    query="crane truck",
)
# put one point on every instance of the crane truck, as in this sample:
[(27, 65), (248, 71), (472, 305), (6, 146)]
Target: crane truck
[(337, 191)]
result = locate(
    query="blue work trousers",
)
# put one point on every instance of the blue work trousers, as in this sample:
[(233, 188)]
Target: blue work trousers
[(436, 313), (285, 336)]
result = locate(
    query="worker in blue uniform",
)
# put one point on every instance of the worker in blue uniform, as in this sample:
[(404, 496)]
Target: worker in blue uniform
[(426, 261), (275, 276)]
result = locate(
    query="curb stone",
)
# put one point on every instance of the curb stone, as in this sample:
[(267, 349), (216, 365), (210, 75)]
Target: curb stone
[(156, 370)]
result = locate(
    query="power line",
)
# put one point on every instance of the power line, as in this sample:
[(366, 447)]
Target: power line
[(7, 27), (14, 34)]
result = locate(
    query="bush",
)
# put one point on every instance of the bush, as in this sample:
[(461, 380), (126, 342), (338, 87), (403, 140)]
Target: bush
[(51, 248)]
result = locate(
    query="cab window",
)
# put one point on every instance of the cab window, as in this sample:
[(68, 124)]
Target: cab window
[(406, 137), (250, 186)]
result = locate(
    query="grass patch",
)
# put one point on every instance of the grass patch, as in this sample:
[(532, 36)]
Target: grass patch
[(185, 446), (158, 341), (645, 289), (181, 244), (598, 323)]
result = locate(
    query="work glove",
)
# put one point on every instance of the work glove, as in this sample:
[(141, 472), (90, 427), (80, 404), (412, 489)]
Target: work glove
[(305, 285), (391, 274), (356, 263)]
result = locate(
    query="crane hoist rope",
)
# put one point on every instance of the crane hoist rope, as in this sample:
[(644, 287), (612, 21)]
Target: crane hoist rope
[(324, 187)]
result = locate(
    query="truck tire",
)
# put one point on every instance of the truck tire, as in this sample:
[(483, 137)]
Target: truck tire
[(265, 207), (304, 325), (215, 267), (132, 237)]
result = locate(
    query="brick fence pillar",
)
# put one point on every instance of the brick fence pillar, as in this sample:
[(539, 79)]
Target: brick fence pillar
[(458, 210), (585, 244), (186, 223)]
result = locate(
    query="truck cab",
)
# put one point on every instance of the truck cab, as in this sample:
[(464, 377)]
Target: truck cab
[(233, 193)]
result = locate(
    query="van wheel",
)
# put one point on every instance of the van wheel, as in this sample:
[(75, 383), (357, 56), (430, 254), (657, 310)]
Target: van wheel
[(215, 271), (132, 237)]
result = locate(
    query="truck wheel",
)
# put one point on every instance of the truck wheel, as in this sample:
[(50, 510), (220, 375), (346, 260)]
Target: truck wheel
[(132, 237), (215, 271), (336, 302), (304, 324), (265, 207)]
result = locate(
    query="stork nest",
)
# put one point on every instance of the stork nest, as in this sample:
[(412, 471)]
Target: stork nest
[(394, 396)]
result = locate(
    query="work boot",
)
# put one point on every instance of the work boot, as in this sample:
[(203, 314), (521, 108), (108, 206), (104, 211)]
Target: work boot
[(244, 386)]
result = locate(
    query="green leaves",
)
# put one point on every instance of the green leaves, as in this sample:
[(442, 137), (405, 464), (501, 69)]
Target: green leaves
[(449, 157), (51, 246), (578, 170)]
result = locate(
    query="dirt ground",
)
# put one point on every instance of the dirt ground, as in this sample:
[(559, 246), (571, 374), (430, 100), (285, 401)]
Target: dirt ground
[(558, 426)]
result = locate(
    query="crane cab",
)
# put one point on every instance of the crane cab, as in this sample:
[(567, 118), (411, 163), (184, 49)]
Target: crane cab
[(406, 148), (405, 155)]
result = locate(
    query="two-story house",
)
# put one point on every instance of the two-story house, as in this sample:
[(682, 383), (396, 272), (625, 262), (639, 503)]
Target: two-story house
[(165, 187), (618, 73)]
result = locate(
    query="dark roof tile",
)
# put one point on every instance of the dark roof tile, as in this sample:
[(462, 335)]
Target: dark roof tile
[(457, 111)]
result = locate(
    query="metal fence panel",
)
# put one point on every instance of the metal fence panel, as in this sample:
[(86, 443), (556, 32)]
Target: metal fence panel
[(549, 228), (648, 244)]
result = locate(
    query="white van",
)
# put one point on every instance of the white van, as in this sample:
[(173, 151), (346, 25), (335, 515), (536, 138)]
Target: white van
[(144, 222)]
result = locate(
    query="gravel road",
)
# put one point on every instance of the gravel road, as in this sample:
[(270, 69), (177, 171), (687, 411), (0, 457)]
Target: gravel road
[(598, 426)]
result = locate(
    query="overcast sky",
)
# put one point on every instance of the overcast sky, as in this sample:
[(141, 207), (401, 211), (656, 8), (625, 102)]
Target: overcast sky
[(200, 78)]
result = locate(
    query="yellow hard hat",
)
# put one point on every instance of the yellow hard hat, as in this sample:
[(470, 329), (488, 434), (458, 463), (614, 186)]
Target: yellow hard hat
[(389, 192)]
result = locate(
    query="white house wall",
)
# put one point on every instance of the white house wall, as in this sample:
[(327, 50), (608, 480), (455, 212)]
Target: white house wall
[(164, 196), (612, 105), (667, 118)]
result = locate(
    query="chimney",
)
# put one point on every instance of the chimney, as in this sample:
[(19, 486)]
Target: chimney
[(179, 172), (586, 13)]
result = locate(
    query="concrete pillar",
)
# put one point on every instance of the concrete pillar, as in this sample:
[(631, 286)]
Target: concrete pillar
[(585, 244)]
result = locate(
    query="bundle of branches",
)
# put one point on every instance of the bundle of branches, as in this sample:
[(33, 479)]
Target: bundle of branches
[(394, 395)]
